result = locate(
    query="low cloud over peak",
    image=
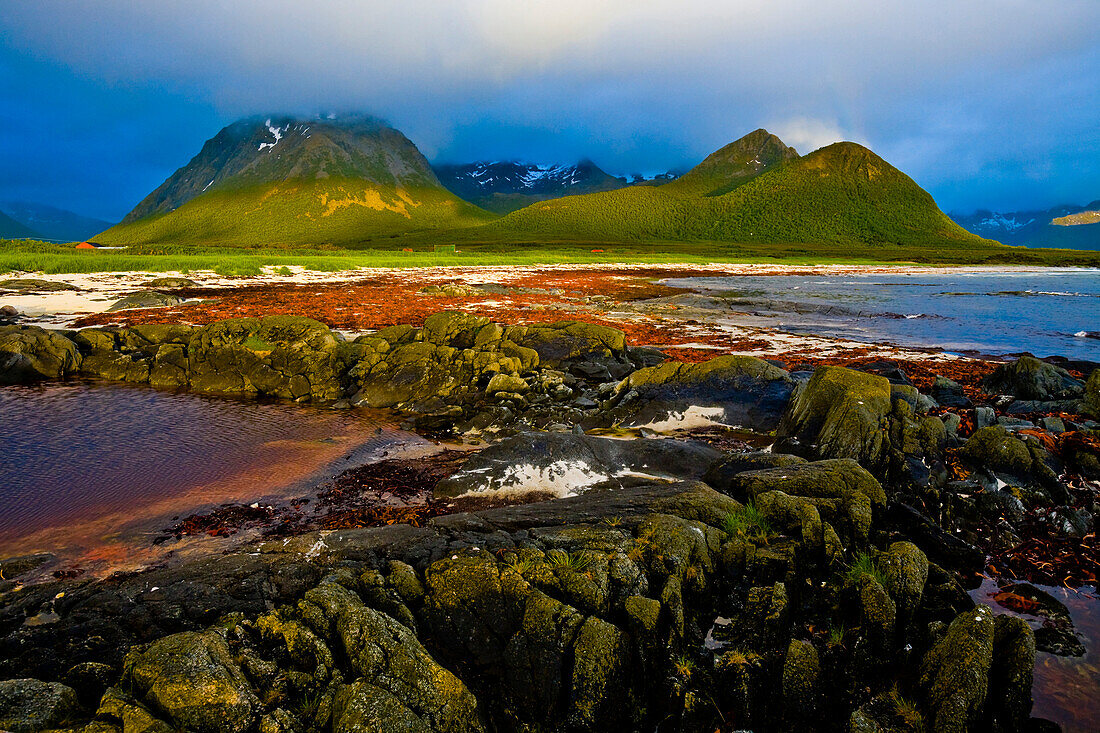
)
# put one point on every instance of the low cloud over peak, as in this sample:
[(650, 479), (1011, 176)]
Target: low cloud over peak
[(994, 93)]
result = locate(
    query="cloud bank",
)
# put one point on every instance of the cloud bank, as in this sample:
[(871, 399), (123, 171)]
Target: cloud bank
[(988, 102)]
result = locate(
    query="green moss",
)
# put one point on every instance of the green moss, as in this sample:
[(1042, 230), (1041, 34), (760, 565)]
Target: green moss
[(994, 447), (840, 413)]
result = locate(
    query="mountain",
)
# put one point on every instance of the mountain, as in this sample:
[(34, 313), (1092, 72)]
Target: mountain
[(505, 186), (1069, 227), (12, 229), (280, 181), (53, 223), (735, 164), (757, 189)]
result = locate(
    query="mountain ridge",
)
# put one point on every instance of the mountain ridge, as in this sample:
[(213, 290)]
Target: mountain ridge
[(1037, 228), (51, 222), (280, 180), (10, 228), (842, 192), (504, 186)]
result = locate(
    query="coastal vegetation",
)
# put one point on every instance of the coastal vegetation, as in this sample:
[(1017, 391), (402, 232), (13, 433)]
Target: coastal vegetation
[(418, 251)]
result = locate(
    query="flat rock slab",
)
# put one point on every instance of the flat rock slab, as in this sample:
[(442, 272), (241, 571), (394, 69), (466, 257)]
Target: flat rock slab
[(567, 464)]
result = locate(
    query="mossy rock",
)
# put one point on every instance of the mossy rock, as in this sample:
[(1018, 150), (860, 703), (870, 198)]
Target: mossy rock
[(954, 674), (820, 479), (800, 682), (845, 493), (456, 329), (601, 660), (537, 658), (750, 392), (904, 571), (30, 353), (145, 299), (995, 448), (192, 679), (33, 285), (722, 474), (365, 708), (115, 366), (29, 705), (838, 413), (560, 343), (170, 282), (282, 356), (1092, 394), (388, 655), (1029, 378), (506, 383), (878, 615), (644, 614), (1012, 672)]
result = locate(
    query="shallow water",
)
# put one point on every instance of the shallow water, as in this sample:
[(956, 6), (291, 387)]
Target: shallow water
[(1047, 312), (94, 469), (1066, 689)]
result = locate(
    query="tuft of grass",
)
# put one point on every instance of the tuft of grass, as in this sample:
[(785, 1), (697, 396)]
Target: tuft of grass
[(578, 562), (613, 521), (907, 711), (748, 522), (684, 666), (836, 635), (863, 564), (519, 565)]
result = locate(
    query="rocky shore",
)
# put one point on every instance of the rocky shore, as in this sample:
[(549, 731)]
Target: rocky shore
[(818, 584)]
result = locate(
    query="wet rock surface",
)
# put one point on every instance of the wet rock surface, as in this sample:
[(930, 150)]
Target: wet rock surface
[(680, 585)]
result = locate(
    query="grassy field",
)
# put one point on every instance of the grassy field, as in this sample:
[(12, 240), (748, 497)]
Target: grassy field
[(20, 256)]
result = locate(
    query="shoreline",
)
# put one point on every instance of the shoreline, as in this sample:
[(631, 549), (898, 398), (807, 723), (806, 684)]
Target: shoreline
[(852, 493)]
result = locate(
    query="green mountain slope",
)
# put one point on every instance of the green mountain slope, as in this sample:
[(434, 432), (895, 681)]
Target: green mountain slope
[(840, 193), (284, 181), (735, 164)]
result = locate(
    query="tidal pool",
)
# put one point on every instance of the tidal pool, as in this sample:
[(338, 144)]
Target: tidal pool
[(1066, 689), (92, 471)]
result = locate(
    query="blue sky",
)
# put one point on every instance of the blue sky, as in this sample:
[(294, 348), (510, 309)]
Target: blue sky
[(986, 103)]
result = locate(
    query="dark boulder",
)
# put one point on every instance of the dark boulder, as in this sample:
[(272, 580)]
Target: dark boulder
[(949, 393), (731, 390), (838, 413), (1029, 378), (145, 299), (30, 353), (30, 705)]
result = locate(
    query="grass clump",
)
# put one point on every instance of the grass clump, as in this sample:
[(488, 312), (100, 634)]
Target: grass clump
[(748, 522), (578, 562), (863, 564)]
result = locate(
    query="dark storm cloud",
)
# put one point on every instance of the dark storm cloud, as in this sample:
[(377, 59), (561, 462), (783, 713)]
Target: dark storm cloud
[(986, 103)]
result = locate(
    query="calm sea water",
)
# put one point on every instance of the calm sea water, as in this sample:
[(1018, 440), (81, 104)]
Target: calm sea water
[(82, 463), (1047, 312)]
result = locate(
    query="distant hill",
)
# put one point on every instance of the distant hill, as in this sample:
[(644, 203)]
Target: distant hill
[(757, 189), (1067, 227), (287, 181), (505, 186), (12, 229), (54, 223)]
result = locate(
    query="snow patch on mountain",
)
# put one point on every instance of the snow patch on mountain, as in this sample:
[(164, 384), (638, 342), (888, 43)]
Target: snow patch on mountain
[(276, 132), (1001, 222)]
